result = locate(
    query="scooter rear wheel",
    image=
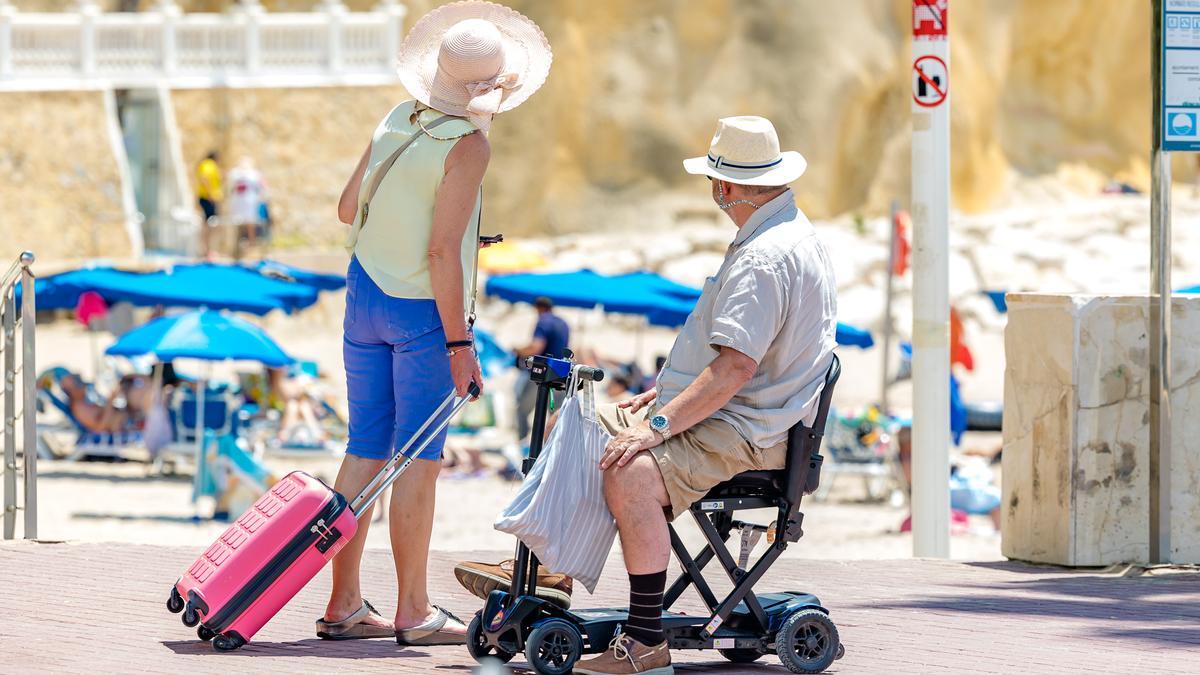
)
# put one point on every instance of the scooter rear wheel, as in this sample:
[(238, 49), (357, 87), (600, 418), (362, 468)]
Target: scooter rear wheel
[(808, 642), (477, 644), (553, 647)]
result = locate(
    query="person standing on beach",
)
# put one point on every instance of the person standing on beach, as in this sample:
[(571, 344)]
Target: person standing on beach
[(551, 337), (246, 194), (209, 194), (408, 339)]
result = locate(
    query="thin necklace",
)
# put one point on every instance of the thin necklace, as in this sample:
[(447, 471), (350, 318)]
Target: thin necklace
[(417, 116), (724, 205)]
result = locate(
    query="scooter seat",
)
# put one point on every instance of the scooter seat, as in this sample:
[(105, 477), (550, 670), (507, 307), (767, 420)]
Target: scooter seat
[(762, 483)]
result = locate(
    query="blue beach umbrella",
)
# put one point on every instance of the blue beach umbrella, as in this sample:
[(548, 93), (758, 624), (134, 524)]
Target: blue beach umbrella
[(662, 301), (852, 336), (655, 283), (204, 334), (583, 289), (232, 287), (998, 300)]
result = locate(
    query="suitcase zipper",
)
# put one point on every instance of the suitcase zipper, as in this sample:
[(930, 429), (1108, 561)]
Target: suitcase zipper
[(316, 533)]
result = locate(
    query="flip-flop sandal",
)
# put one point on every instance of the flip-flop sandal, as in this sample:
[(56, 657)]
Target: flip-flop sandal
[(352, 627), (430, 634)]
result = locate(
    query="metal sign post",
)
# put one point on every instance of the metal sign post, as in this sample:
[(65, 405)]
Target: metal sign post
[(1175, 57), (887, 313), (931, 271)]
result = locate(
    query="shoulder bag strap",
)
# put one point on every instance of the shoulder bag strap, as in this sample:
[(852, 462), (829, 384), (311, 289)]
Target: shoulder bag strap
[(475, 272), (386, 165)]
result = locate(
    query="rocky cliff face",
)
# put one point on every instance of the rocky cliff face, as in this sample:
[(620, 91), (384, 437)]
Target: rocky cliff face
[(1037, 88), (305, 141), (60, 186)]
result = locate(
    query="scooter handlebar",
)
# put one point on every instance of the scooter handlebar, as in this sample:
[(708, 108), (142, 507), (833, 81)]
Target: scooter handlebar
[(589, 373), (584, 372)]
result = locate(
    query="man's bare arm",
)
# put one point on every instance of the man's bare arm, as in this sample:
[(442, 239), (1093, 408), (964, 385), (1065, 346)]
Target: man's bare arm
[(710, 391)]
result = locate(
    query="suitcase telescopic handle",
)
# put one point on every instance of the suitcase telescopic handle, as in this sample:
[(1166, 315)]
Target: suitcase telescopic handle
[(400, 461)]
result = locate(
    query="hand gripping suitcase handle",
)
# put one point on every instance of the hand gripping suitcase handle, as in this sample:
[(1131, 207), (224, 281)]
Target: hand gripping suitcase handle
[(400, 461)]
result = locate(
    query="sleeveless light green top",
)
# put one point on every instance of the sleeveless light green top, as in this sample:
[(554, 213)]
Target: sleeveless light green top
[(392, 244)]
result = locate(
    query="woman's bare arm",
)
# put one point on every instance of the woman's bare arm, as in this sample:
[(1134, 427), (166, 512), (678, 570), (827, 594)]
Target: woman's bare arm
[(455, 202), (465, 166), (348, 202)]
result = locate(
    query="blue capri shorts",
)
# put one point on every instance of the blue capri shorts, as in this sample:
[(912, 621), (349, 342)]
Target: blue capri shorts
[(397, 371)]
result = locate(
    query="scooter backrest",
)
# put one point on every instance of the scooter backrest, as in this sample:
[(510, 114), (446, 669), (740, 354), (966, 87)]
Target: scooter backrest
[(804, 443)]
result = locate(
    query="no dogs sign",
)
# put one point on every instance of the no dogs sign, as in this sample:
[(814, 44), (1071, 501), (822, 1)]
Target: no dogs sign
[(931, 81)]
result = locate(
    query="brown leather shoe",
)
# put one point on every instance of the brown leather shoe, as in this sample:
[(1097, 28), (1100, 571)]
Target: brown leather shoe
[(482, 578), (626, 656)]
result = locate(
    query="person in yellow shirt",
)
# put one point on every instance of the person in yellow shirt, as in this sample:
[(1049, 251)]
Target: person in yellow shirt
[(208, 190)]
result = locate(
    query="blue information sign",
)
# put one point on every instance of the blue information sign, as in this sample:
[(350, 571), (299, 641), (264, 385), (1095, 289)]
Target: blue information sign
[(1181, 75)]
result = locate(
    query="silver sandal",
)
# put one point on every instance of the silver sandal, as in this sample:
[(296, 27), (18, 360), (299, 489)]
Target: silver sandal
[(352, 627), (429, 634)]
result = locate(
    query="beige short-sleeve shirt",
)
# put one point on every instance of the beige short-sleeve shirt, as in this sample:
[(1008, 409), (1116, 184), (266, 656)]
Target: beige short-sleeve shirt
[(774, 299)]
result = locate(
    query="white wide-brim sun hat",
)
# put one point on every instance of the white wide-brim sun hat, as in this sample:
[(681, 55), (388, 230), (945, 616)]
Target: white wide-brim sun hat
[(474, 59), (745, 150)]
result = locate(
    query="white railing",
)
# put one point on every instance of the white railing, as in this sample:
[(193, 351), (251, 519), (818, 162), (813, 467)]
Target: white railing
[(247, 46)]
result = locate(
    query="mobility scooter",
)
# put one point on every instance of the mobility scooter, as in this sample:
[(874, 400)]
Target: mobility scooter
[(742, 627)]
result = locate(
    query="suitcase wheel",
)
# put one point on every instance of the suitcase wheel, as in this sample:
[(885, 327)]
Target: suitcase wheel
[(175, 602), (205, 633), (190, 617), (228, 642)]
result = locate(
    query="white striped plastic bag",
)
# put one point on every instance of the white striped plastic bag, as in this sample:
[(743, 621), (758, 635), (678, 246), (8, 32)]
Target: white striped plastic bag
[(560, 512)]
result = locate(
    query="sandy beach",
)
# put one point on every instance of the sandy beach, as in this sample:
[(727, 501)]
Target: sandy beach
[(105, 502), (100, 502)]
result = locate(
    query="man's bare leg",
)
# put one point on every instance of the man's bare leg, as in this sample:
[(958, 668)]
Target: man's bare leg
[(346, 597), (636, 496), (411, 523)]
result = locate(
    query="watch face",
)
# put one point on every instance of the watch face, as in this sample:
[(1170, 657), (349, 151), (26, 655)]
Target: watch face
[(658, 422)]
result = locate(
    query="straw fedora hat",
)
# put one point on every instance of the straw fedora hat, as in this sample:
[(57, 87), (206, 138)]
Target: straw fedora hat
[(474, 59), (745, 150)]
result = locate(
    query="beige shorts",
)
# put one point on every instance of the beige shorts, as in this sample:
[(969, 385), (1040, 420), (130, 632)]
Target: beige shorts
[(700, 458)]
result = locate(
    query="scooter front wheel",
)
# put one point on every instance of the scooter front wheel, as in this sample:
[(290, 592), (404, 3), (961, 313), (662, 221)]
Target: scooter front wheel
[(477, 644)]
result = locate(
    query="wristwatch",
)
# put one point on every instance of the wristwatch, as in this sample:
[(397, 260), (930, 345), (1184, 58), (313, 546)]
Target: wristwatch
[(661, 425)]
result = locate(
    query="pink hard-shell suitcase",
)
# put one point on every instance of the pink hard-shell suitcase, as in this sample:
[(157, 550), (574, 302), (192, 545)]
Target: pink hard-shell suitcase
[(278, 545)]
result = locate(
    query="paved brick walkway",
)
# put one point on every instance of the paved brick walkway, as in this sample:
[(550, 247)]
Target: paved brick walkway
[(100, 608)]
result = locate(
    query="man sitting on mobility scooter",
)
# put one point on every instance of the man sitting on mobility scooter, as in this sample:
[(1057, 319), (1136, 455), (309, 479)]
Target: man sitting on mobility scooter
[(748, 365)]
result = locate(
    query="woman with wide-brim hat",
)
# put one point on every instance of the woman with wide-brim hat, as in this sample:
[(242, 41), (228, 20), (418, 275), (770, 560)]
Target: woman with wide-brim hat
[(410, 286)]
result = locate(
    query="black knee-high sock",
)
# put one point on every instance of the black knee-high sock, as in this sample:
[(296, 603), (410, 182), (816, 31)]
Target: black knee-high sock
[(645, 607)]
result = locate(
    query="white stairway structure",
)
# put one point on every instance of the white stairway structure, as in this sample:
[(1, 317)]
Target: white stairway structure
[(245, 47), (134, 59)]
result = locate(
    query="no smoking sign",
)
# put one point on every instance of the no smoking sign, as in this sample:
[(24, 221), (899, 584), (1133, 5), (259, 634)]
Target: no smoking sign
[(931, 81)]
